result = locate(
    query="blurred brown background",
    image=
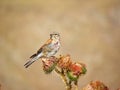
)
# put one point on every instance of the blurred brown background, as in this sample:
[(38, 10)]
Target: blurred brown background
[(90, 33)]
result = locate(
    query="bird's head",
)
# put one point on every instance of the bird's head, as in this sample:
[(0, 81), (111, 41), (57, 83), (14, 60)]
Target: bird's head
[(55, 36)]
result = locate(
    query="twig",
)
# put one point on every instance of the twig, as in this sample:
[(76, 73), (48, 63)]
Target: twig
[(76, 85), (61, 73)]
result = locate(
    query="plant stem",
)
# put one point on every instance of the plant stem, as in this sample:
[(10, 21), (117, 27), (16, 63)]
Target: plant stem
[(76, 85), (62, 74)]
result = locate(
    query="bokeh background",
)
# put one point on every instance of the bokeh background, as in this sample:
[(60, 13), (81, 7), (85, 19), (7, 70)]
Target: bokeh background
[(90, 33)]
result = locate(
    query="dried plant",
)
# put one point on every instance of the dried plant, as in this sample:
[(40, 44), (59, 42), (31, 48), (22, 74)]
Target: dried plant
[(68, 70), (95, 85)]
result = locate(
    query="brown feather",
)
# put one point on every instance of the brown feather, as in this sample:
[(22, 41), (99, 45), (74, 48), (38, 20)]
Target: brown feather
[(47, 42)]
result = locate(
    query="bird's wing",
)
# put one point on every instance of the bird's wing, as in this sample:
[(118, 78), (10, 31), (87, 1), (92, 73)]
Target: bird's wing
[(47, 43)]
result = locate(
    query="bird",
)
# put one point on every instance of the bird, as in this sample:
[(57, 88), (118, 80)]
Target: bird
[(50, 48)]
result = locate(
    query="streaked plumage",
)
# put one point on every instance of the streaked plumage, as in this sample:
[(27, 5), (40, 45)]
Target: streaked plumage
[(50, 48)]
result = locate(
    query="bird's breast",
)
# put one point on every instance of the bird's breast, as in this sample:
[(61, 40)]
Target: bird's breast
[(55, 45)]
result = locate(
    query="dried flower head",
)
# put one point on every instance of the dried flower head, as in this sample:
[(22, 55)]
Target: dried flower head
[(49, 64), (95, 85), (78, 68), (64, 62), (75, 70)]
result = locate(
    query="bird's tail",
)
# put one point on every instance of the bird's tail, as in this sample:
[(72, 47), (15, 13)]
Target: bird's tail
[(32, 59)]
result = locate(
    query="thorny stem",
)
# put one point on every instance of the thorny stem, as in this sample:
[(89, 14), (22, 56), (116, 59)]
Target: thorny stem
[(61, 73)]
